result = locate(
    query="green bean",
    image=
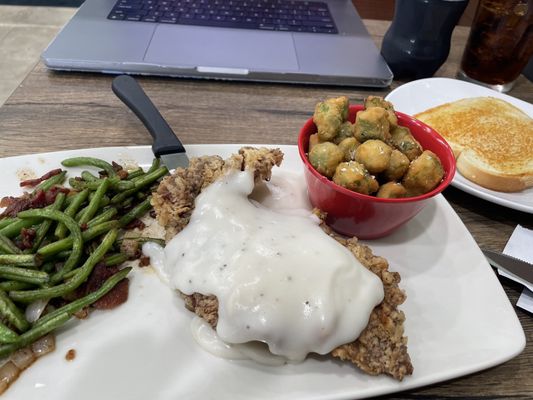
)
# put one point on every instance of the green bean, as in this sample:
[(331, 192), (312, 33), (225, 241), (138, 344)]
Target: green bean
[(11, 313), (110, 260), (104, 202), (138, 211), (66, 243), (72, 226), (141, 195), (7, 335), (124, 185), (91, 209), (42, 230), (79, 214), (94, 162), (135, 173), (7, 246), (48, 267), (23, 275), (126, 203), (79, 304), (52, 181), (76, 184), (115, 183), (14, 285), (99, 229), (24, 260), (115, 259), (71, 210), (156, 162), (14, 229), (6, 221), (88, 177), (106, 215), (27, 296), (150, 177), (62, 255), (140, 182), (33, 334)]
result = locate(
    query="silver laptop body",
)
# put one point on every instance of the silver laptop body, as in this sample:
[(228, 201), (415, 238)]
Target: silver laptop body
[(91, 42)]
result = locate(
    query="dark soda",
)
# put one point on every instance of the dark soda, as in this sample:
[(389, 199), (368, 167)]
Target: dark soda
[(500, 42)]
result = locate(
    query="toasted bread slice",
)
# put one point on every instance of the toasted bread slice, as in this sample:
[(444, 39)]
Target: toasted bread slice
[(492, 141)]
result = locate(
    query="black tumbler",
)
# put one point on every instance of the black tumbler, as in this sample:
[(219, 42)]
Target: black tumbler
[(418, 40)]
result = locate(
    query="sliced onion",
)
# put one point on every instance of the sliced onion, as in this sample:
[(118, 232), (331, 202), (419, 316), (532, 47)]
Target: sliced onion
[(8, 374), (35, 309), (44, 345), (23, 358)]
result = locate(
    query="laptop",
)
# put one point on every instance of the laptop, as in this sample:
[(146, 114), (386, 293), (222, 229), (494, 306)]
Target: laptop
[(294, 41)]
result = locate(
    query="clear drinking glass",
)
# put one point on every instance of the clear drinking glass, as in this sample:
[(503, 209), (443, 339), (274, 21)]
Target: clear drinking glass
[(500, 43)]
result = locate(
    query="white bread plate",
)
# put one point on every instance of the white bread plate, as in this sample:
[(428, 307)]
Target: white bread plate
[(420, 95)]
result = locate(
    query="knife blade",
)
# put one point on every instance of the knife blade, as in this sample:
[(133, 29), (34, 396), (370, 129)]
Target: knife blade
[(166, 144), (521, 270)]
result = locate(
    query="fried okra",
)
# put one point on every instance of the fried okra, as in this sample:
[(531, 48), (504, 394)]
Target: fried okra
[(348, 146), (376, 101), (346, 130), (402, 139), (424, 174), (397, 167), (372, 124), (329, 116), (325, 157), (391, 190), (313, 141), (354, 176), (374, 155)]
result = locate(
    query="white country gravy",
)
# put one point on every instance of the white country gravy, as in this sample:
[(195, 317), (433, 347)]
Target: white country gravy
[(279, 278)]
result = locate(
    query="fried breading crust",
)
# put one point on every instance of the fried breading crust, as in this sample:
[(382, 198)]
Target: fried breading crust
[(174, 198), (380, 349)]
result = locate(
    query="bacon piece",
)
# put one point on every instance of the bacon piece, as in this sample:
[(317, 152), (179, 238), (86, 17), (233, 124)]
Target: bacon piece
[(113, 298), (51, 194), (7, 201), (36, 181), (116, 166), (26, 201), (26, 238), (121, 172), (144, 261), (36, 199)]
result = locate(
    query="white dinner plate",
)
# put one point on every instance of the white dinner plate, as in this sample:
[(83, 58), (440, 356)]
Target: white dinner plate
[(459, 320), (420, 95)]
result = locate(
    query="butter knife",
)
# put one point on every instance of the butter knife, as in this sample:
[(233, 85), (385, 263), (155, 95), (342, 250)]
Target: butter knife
[(166, 145), (521, 270)]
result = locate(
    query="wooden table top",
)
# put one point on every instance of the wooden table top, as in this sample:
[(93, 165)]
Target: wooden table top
[(56, 111)]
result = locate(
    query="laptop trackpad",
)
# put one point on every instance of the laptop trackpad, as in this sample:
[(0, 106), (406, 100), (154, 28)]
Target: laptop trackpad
[(192, 46)]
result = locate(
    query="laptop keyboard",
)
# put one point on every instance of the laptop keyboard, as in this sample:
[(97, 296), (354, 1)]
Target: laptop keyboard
[(273, 15)]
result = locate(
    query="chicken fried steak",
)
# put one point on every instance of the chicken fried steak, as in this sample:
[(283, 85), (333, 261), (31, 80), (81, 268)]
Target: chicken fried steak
[(380, 349)]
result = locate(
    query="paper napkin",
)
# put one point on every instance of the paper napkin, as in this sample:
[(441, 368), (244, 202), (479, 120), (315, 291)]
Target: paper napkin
[(520, 245)]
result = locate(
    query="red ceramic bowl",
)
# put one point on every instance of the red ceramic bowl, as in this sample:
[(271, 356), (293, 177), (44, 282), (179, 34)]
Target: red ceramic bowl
[(369, 217)]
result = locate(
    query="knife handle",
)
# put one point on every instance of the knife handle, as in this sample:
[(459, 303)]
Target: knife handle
[(131, 93)]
